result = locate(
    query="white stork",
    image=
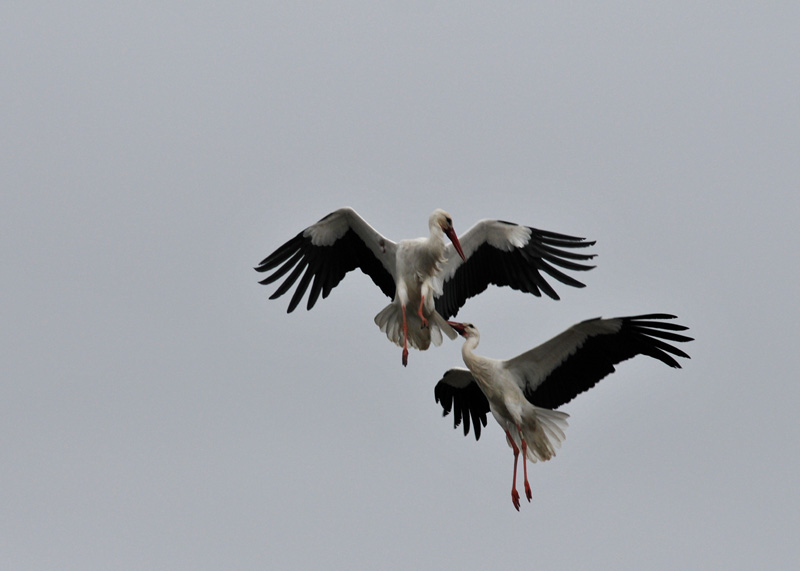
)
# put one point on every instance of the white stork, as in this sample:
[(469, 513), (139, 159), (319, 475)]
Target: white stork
[(521, 392), (423, 273)]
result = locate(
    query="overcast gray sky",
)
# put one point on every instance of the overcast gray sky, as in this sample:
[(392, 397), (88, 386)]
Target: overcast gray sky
[(158, 411)]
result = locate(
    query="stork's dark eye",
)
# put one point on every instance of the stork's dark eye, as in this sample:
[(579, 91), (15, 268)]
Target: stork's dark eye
[(449, 221)]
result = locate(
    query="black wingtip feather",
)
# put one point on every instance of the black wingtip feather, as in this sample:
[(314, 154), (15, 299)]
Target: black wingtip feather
[(281, 253), (289, 282), (290, 263), (301, 288)]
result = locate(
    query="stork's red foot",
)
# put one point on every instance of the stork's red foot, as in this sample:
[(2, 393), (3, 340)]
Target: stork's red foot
[(515, 498), (405, 357), (528, 493), (422, 315)]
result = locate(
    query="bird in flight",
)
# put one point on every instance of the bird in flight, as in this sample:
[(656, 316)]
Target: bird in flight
[(427, 279), (522, 392)]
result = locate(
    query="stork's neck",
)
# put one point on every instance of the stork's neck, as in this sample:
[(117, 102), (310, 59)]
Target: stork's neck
[(480, 367), (468, 348), (436, 238), (434, 248)]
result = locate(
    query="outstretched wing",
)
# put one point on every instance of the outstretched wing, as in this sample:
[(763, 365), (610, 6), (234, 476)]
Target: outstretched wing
[(457, 391), (342, 241), (553, 373), (507, 254)]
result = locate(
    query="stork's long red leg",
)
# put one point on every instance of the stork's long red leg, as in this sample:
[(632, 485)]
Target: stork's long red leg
[(405, 337), (421, 316), (514, 492), (528, 493)]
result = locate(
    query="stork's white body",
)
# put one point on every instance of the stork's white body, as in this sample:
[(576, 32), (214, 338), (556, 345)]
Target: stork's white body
[(541, 429), (418, 266)]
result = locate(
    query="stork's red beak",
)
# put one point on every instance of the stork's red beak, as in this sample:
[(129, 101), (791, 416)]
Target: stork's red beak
[(454, 239), (459, 327)]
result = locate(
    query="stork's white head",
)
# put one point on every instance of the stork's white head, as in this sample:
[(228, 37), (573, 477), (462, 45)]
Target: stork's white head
[(466, 330), (442, 220)]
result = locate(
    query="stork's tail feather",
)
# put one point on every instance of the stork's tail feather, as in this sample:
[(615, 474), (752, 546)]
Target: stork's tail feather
[(545, 434), (440, 324), (390, 321)]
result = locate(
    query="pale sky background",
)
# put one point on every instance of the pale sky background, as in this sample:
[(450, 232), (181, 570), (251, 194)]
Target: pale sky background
[(157, 411)]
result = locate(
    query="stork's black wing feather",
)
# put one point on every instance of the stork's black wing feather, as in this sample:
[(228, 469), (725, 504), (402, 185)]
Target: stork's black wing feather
[(596, 356), (464, 399), (521, 268), (326, 265)]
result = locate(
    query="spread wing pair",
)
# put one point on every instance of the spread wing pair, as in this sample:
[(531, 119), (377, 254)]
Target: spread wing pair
[(430, 277)]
